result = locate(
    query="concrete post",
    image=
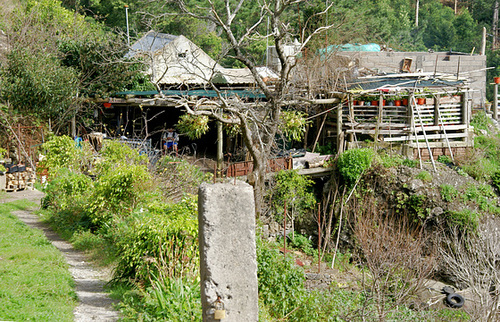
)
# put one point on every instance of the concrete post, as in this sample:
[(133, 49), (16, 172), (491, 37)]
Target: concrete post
[(228, 263)]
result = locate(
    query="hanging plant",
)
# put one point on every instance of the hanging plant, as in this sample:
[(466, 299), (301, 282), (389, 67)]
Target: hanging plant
[(293, 124), (194, 126)]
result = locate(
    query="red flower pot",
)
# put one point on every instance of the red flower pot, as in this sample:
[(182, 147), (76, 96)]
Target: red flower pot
[(397, 102)]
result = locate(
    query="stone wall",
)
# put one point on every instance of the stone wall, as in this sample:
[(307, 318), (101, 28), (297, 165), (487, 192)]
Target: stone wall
[(440, 62)]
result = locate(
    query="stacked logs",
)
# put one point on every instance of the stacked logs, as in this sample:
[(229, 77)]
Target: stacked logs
[(20, 180)]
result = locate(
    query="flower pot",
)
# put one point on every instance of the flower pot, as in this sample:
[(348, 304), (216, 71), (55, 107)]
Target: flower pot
[(355, 102), (374, 103), (397, 102), (361, 103), (421, 100), (390, 103), (405, 101), (496, 80)]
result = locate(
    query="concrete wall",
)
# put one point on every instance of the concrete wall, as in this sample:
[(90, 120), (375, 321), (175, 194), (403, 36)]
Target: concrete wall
[(228, 260), (441, 62)]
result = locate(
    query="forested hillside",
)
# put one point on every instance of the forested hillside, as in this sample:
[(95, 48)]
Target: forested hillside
[(389, 22)]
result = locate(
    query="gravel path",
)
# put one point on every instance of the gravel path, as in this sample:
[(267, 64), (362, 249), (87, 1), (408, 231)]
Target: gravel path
[(93, 303)]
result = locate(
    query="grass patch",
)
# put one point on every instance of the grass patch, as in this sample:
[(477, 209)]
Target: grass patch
[(35, 284)]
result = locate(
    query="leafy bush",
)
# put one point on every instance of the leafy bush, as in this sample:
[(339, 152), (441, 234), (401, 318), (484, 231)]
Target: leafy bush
[(303, 243), (117, 193), (281, 283), (410, 163), (390, 161), (294, 190), (162, 234), (466, 219), (194, 126), (448, 192), (293, 124), (480, 121), (424, 176), (115, 153), (61, 152), (67, 198), (352, 163), (444, 159), (495, 180)]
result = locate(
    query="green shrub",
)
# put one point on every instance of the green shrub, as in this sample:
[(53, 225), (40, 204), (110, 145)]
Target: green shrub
[(495, 180), (466, 219), (114, 154), (165, 233), (444, 159), (480, 121), (481, 170), (293, 124), (61, 152), (117, 193), (326, 149), (352, 163), (281, 283), (448, 192), (66, 198), (410, 163), (194, 126), (302, 243), (424, 176), (294, 190), (391, 161)]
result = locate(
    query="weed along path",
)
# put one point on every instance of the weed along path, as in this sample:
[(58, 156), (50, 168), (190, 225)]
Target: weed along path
[(93, 303)]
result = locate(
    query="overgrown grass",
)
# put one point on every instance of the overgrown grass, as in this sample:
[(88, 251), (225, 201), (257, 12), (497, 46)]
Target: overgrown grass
[(35, 284)]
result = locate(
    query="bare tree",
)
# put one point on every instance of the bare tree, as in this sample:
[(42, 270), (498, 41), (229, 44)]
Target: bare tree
[(394, 252), (475, 261), (259, 120)]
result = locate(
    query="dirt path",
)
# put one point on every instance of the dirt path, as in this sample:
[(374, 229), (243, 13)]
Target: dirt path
[(93, 303)]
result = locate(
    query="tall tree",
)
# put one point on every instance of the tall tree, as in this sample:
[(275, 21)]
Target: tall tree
[(57, 56), (259, 122)]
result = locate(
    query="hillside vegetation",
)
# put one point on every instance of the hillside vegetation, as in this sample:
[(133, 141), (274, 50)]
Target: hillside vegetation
[(388, 227), (396, 213)]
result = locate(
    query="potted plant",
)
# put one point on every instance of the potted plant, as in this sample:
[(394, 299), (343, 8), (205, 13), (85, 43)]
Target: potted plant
[(397, 100)]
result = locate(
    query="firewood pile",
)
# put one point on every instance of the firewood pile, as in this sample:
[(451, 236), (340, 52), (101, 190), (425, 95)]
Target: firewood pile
[(19, 179)]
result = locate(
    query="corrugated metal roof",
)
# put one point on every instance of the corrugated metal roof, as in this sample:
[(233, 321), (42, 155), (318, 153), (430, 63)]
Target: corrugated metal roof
[(150, 42), (254, 94), (402, 82)]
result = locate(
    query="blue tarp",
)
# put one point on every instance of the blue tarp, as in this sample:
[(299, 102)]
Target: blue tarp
[(348, 47)]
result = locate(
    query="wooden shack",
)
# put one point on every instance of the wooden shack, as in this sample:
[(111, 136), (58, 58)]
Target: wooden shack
[(416, 117)]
